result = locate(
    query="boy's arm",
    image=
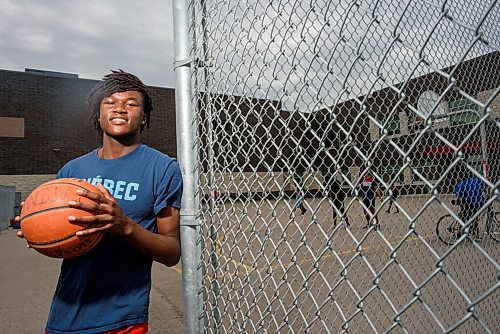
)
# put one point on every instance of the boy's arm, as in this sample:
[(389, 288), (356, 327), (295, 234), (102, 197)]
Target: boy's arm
[(163, 246)]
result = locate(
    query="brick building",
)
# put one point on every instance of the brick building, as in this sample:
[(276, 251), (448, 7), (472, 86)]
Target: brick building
[(391, 127), (385, 124), (43, 124)]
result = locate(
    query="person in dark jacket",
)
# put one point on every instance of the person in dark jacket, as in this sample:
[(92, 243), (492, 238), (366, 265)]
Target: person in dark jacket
[(393, 196), (338, 196)]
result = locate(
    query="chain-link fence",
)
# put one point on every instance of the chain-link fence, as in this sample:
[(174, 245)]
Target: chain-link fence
[(348, 165)]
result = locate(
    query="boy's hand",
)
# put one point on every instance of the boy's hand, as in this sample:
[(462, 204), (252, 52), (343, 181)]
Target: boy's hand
[(107, 213), (18, 220)]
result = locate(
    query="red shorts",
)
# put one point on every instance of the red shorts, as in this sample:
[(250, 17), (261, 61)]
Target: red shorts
[(132, 329)]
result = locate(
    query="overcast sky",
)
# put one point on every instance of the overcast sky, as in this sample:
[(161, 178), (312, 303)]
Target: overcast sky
[(257, 47), (89, 37), (308, 54)]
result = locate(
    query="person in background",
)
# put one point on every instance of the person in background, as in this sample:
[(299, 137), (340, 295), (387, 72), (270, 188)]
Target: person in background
[(469, 192), (370, 189), (138, 208), (299, 200), (393, 196), (338, 196)]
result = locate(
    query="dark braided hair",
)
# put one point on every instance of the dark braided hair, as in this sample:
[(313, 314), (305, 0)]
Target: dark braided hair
[(117, 82)]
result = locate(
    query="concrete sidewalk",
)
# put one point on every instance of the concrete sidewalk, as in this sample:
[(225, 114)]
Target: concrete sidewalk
[(28, 280)]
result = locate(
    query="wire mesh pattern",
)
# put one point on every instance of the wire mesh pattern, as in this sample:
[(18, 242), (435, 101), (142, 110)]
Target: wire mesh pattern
[(348, 162)]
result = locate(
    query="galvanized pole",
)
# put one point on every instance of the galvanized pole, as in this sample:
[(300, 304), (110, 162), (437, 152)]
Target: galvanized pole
[(187, 151)]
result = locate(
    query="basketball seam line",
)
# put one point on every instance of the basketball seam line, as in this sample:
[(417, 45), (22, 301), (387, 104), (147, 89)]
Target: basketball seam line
[(51, 253), (44, 210), (57, 207), (54, 182), (59, 240)]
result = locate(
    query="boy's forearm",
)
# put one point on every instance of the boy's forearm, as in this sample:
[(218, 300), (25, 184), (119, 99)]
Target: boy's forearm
[(161, 248)]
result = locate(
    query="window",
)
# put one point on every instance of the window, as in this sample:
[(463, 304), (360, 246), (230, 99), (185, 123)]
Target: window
[(429, 168), (463, 111), (389, 173), (430, 106), (11, 127), (393, 125), (476, 162), (347, 173), (415, 122)]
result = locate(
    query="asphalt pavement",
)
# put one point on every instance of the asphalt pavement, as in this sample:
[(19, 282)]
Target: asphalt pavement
[(28, 280)]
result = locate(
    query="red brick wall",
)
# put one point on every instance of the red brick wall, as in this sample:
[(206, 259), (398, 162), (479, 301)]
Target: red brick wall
[(55, 118)]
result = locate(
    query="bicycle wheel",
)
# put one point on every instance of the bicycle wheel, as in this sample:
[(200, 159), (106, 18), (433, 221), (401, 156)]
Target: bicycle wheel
[(493, 227), (448, 229)]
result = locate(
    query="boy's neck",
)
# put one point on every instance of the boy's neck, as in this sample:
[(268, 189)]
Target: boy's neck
[(112, 149)]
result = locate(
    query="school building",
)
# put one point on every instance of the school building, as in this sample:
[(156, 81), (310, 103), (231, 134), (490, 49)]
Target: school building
[(43, 124)]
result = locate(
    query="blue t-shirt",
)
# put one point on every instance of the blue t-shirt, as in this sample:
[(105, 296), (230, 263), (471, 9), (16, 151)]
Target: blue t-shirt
[(109, 286), (470, 191)]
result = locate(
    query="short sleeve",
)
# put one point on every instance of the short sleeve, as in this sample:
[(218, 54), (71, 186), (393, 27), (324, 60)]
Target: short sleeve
[(63, 172), (169, 188)]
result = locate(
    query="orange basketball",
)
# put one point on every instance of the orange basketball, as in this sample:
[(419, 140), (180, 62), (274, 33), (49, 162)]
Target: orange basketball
[(44, 219)]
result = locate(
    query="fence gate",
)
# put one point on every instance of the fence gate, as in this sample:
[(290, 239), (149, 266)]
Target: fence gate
[(305, 113)]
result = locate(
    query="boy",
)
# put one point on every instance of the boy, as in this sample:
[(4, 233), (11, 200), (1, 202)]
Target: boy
[(107, 289)]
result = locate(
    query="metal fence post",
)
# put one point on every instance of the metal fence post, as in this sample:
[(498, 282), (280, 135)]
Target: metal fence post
[(186, 153)]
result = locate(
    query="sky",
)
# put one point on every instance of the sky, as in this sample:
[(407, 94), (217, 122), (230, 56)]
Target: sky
[(305, 53), (310, 54), (89, 38)]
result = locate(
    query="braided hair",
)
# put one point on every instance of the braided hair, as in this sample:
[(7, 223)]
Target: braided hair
[(117, 82)]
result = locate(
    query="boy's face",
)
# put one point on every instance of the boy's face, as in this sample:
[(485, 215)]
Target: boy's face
[(121, 114)]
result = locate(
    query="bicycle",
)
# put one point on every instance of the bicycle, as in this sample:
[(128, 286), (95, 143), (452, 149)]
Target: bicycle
[(449, 230)]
